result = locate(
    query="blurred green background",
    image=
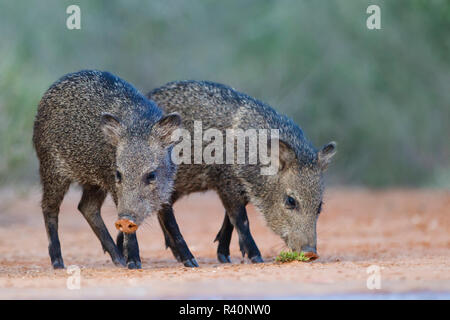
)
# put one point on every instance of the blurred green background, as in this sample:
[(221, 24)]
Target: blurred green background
[(383, 95)]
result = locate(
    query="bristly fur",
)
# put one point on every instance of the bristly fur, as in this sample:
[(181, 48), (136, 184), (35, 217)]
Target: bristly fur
[(90, 124), (221, 107)]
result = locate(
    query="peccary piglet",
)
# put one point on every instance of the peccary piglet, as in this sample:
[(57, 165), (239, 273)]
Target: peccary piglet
[(95, 129), (290, 200)]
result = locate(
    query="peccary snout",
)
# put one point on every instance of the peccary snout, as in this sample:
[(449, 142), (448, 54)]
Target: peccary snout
[(126, 224), (300, 244), (310, 252)]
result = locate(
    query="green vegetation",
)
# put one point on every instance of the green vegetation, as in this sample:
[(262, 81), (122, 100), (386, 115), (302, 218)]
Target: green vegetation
[(382, 95), (289, 256)]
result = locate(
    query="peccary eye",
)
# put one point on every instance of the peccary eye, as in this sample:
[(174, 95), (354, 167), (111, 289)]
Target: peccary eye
[(118, 177), (290, 203), (150, 177), (319, 210)]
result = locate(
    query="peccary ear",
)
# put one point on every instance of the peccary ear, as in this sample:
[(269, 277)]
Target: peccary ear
[(112, 128), (286, 154), (164, 128), (325, 154)]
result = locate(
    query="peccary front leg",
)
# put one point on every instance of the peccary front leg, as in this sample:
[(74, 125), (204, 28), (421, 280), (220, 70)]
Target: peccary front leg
[(224, 239), (90, 204), (53, 194), (238, 217), (173, 237), (128, 245)]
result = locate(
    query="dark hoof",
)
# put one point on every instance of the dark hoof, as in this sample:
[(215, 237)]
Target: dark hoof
[(191, 263), (257, 259), (58, 264), (134, 265), (223, 258)]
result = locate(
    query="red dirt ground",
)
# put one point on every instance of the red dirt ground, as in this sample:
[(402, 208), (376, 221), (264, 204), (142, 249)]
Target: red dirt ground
[(404, 232)]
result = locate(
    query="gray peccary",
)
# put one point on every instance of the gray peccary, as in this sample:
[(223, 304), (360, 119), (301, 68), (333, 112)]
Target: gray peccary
[(290, 200), (95, 129)]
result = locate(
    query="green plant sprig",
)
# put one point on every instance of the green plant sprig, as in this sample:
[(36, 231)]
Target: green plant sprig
[(288, 256)]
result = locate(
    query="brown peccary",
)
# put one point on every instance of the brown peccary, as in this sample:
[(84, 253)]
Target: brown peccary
[(97, 130), (290, 200)]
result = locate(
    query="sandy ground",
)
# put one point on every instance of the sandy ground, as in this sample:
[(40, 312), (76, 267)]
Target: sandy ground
[(406, 233)]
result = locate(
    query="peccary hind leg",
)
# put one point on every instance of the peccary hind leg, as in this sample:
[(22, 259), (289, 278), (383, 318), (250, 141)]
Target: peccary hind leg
[(173, 237), (90, 204), (53, 194), (224, 239), (238, 217)]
